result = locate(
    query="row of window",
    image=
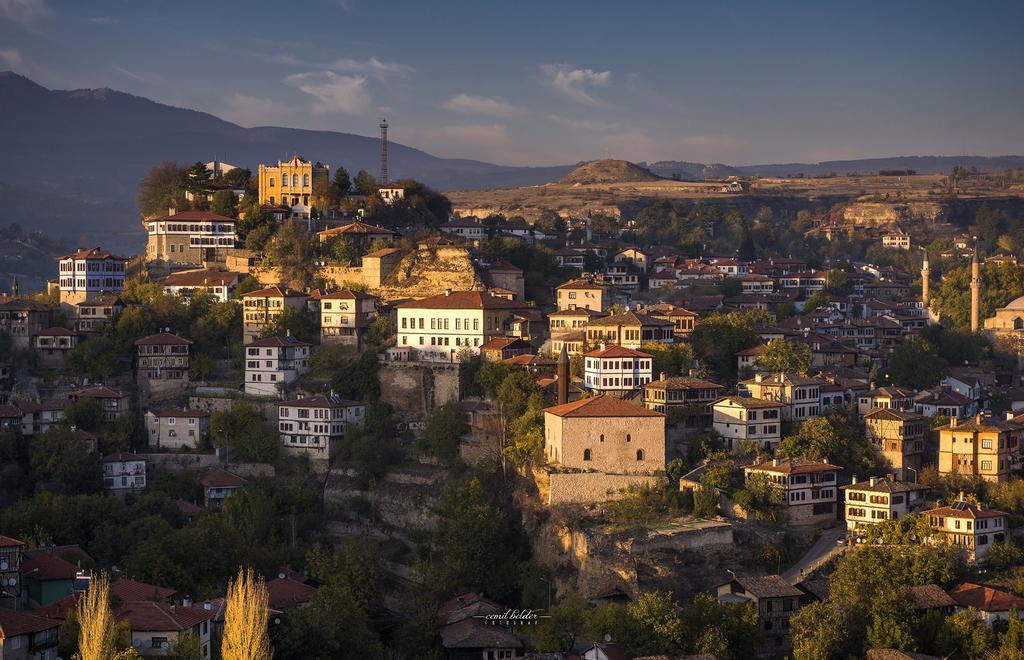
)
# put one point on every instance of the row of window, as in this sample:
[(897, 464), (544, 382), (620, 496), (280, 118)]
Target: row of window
[(272, 182), (594, 363)]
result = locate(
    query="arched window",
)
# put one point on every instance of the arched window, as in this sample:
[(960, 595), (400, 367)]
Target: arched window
[(295, 181), (639, 454), (271, 182), (586, 454), (602, 437), (305, 179), (284, 180), (629, 438)]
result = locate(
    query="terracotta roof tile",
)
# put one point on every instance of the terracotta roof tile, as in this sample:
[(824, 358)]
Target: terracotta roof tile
[(601, 406)]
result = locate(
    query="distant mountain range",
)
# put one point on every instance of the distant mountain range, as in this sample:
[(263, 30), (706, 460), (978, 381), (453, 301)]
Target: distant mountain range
[(71, 160)]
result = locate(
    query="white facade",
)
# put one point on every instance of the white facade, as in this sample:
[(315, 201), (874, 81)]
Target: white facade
[(391, 194), (440, 326), (617, 369), (314, 425), (176, 428), (344, 315), (274, 363), (743, 418), (808, 488), (968, 526), (879, 499), (89, 273), (124, 472)]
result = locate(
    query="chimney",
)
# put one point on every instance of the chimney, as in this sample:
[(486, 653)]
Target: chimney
[(977, 418), (661, 376), (853, 480), (447, 292), (872, 481), (186, 601), (171, 210), (952, 422), (775, 462), (207, 605), (757, 378), (1009, 415)]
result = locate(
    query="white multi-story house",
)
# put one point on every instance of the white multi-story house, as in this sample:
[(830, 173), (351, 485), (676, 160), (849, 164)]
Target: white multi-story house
[(970, 527), (800, 394), (616, 369), (738, 418), (314, 425), (345, 316), (438, 327), (220, 284), (89, 273), (124, 473), (175, 428), (190, 237), (262, 308), (808, 488), (880, 498), (273, 363)]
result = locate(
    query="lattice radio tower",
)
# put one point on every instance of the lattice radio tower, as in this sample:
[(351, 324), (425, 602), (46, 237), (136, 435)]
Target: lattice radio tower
[(382, 180)]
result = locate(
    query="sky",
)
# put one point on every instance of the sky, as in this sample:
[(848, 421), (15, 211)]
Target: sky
[(541, 83)]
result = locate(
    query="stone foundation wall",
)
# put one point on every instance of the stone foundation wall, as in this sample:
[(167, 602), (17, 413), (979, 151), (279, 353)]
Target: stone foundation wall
[(586, 487), (416, 389)]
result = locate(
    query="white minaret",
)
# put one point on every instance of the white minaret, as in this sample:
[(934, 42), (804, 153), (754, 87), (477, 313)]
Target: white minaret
[(975, 289), (924, 281)]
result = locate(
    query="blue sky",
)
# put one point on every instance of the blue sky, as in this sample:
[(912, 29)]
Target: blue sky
[(557, 82)]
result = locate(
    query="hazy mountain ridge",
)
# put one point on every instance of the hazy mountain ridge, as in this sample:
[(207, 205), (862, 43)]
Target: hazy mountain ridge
[(72, 159)]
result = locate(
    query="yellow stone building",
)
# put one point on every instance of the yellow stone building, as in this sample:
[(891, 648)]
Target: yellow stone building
[(296, 184)]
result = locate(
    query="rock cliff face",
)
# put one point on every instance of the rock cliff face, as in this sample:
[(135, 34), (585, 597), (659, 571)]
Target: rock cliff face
[(881, 214), (428, 271)]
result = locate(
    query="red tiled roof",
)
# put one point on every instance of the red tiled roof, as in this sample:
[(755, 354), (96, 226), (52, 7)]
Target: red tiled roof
[(221, 479), (179, 412), (286, 592), (100, 392), (964, 510), (56, 331), (197, 216), (163, 339), (793, 466), (682, 383), (201, 277), (358, 228), (985, 598), (274, 292), (321, 401), (160, 617), (749, 402), (617, 352), (601, 406), (132, 590), (276, 342), (48, 567), (8, 542), (462, 300), (13, 624), (346, 294), (93, 253)]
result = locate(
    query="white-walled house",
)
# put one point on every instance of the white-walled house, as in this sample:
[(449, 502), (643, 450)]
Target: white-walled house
[(175, 428), (808, 488), (440, 326), (273, 363), (737, 418), (123, 473), (616, 369), (314, 425), (879, 498)]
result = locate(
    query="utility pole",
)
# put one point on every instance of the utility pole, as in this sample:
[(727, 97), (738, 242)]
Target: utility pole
[(382, 180)]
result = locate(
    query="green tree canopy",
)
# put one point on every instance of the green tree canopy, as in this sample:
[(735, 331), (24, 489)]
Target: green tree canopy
[(785, 356)]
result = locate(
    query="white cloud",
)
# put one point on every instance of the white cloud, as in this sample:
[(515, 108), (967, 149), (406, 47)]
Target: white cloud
[(334, 92), (130, 74), (25, 12), (13, 61), (371, 67), (574, 83), (492, 106)]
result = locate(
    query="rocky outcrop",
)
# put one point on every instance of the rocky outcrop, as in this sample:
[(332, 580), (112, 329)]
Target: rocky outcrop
[(882, 214), (429, 270)]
